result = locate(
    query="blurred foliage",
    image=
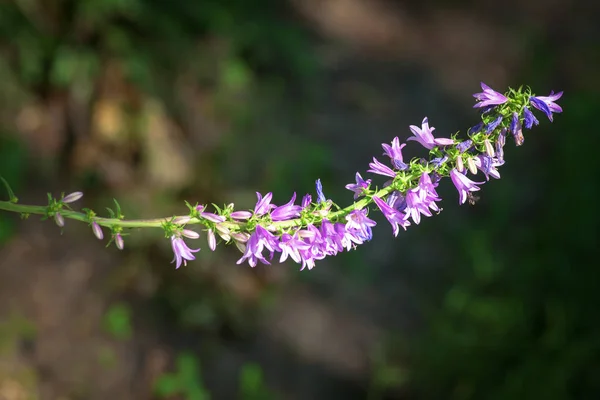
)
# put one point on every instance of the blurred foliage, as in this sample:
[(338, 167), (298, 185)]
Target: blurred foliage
[(186, 381), (117, 321)]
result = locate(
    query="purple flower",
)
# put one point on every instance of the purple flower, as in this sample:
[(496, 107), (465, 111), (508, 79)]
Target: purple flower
[(394, 152), (263, 205), (182, 252), (394, 217), (320, 196), (287, 211), (312, 237), (291, 246), (547, 104), (420, 199), (259, 240), (493, 125), (359, 187), (358, 220), (70, 198), (424, 136), (379, 168), (439, 161), (332, 243), (476, 128), (500, 142), (396, 200), (306, 200), (415, 206), (463, 185), (488, 165), (349, 238), (530, 119), (488, 97), (464, 146)]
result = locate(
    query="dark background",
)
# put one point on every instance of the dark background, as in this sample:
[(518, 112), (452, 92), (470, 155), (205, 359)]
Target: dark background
[(155, 102)]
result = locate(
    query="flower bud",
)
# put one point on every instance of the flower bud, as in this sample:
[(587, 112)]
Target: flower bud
[(240, 237), (97, 230), (70, 198), (471, 165), (60, 221), (489, 149), (190, 234), (182, 220), (119, 241), (460, 166), (223, 232), (211, 239), (241, 215)]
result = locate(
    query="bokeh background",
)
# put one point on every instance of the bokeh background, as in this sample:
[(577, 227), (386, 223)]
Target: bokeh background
[(154, 102)]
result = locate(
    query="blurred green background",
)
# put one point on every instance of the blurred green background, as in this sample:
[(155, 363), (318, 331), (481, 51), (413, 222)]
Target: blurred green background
[(154, 102)]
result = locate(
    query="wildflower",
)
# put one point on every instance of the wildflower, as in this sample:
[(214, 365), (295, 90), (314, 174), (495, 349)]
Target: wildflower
[(287, 211), (396, 200), (182, 252), (306, 200), (290, 247), (320, 196), (488, 165), (394, 217), (475, 128), (97, 230), (263, 205), (259, 240), (488, 97), (493, 125), (547, 104), (358, 220), (500, 142), (464, 146), (424, 136), (530, 119), (359, 187), (70, 198), (394, 152), (463, 185), (381, 169), (421, 199), (439, 161)]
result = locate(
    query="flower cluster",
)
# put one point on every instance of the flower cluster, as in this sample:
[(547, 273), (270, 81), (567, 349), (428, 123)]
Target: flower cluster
[(313, 230)]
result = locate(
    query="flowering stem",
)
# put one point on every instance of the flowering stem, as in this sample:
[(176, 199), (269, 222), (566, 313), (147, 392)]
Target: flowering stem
[(314, 230)]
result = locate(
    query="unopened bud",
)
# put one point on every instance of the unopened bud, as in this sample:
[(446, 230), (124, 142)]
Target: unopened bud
[(471, 165), (119, 241), (70, 198), (97, 230), (190, 234), (489, 149), (460, 166), (211, 239), (60, 221)]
